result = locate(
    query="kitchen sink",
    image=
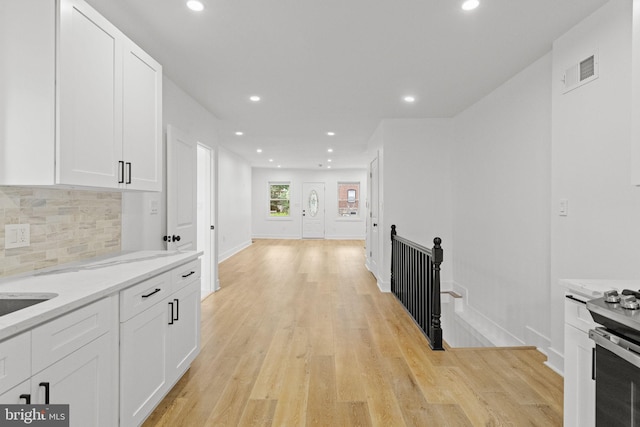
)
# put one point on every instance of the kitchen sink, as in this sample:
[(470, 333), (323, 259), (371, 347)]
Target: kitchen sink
[(13, 301)]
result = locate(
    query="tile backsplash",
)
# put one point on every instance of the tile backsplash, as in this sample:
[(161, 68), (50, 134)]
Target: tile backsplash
[(66, 225)]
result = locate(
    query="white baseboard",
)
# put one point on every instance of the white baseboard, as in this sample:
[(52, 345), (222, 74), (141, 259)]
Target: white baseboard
[(487, 328), (555, 360), (231, 252), (383, 286), (276, 237), (535, 338), (344, 237)]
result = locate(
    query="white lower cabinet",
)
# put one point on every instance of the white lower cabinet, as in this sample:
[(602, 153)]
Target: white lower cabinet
[(84, 380), (579, 386), (70, 360), (19, 394), (184, 332), (143, 364), (112, 361), (157, 345), (580, 390)]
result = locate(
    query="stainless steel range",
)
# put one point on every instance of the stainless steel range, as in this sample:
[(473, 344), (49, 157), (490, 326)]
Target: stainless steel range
[(616, 367)]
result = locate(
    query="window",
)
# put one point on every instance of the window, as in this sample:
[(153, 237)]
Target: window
[(279, 199), (348, 198)]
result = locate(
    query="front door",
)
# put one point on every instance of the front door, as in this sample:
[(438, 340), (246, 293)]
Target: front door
[(313, 210), (182, 219)]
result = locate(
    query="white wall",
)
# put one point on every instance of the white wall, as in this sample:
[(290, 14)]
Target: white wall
[(416, 187), (234, 204), (417, 184), (501, 193), (291, 228), (600, 238)]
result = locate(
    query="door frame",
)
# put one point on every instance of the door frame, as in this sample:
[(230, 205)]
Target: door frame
[(206, 197), (373, 231)]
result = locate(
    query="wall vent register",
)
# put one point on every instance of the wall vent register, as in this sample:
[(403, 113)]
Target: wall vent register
[(583, 72)]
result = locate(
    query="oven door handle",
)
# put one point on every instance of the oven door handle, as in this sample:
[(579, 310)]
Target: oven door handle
[(617, 345)]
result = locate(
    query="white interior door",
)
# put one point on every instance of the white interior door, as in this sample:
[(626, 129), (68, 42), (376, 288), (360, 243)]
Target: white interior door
[(206, 228), (313, 204), (373, 217), (182, 160)]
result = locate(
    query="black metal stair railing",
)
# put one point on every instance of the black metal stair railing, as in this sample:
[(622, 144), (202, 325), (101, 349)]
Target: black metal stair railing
[(415, 281)]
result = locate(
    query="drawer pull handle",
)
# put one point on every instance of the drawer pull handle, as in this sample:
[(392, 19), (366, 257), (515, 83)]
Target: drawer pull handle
[(187, 275), (177, 309), (26, 397), (46, 392), (171, 319), (149, 294)]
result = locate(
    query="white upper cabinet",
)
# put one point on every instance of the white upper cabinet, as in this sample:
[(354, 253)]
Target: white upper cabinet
[(93, 117), (90, 97), (142, 119)]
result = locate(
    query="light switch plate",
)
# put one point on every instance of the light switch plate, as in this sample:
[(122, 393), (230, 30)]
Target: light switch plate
[(17, 235), (564, 207)]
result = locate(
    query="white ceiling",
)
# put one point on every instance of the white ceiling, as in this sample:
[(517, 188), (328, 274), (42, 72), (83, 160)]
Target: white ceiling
[(337, 65)]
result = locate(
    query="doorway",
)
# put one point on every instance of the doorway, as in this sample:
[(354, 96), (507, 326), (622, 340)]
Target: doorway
[(374, 243), (313, 210), (206, 218)]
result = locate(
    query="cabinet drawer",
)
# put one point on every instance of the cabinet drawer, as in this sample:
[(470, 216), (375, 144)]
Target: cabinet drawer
[(15, 358), (138, 298), (64, 335), (185, 274)]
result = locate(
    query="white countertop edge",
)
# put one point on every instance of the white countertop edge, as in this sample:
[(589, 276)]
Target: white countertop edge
[(594, 288), (69, 282)]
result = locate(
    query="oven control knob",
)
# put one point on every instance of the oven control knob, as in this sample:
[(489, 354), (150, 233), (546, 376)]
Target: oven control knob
[(611, 296), (629, 302)]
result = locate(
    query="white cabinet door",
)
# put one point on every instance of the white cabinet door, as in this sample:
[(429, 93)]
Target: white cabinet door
[(143, 363), (184, 330), (17, 395), (89, 144), (86, 381), (579, 387), (142, 120)]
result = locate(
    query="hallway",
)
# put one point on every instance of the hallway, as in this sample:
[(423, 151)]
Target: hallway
[(299, 334)]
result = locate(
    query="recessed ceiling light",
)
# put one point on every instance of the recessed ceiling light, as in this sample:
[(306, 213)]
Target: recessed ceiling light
[(329, 167), (330, 150), (239, 133), (259, 150), (470, 4), (331, 133), (254, 98), (409, 98), (328, 160), (195, 5), (271, 160), (278, 165)]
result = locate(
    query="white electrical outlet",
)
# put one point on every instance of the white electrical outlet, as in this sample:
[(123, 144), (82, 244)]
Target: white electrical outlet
[(17, 235)]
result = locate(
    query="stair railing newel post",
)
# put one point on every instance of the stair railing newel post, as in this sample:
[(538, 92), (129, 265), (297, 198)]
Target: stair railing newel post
[(435, 329), (392, 278)]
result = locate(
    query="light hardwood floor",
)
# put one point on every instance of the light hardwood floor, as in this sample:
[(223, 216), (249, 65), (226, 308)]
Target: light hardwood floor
[(300, 335)]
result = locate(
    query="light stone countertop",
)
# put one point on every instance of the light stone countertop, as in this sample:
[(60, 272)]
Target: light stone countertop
[(81, 283)]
